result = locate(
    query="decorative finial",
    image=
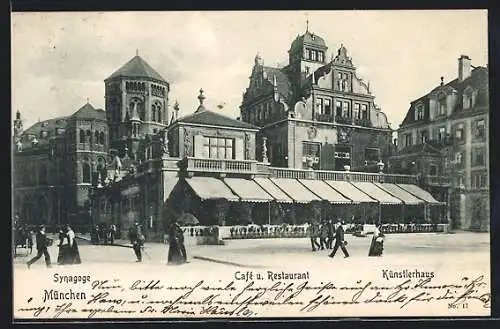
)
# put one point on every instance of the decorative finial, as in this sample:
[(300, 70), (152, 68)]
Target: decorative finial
[(442, 81), (201, 97), (307, 22), (137, 52), (88, 100)]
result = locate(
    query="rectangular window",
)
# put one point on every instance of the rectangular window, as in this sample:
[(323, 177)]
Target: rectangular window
[(218, 148), (408, 140), (478, 156), (364, 111), (419, 112), (357, 113), (479, 129), (442, 107), (441, 133), (319, 105), (311, 153), (345, 110), (320, 56), (338, 107), (459, 132), (432, 170), (372, 154), (327, 106), (309, 54), (479, 180), (314, 55), (424, 136)]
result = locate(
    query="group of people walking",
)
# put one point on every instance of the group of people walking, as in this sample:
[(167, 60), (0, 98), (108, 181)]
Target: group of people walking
[(68, 247), (324, 234), (104, 233), (176, 251)]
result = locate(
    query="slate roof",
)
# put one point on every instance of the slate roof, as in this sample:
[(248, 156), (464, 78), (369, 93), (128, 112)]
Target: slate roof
[(206, 117), (87, 111), (136, 68), (309, 38), (47, 125), (282, 80), (478, 80)]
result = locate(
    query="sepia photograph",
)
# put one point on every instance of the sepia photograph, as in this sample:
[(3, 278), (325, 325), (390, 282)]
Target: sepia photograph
[(250, 164)]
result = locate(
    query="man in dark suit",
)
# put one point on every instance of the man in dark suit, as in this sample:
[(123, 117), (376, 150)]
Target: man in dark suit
[(137, 240), (313, 234), (180, 236), (42, 242), (339, 241)]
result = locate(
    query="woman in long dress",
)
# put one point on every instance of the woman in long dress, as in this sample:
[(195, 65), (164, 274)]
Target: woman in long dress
[(377, 245), (62, 247), (175, 256), (74, 253)]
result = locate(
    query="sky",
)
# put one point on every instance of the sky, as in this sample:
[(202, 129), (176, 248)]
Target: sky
[(60, 60)]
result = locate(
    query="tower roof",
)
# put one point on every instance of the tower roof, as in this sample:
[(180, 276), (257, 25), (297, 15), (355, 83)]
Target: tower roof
[(309, 38), (87, 111), (136, 68)]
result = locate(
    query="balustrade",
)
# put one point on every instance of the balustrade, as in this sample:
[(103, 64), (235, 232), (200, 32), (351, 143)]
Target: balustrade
[(221, 165)]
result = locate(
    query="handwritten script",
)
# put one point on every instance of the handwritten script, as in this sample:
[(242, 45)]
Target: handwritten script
[(252, 298)]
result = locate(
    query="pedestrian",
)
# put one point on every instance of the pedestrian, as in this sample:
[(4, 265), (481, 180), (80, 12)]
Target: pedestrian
[(330, 233), (61, 255), (137, 239), (74, 253), (313, 234), (339, 240), (175, 242), (112, 233), (377, 244), (42, 243), (323, 235)]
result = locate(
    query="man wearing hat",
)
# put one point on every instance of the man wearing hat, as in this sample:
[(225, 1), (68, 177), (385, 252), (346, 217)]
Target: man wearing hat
[(137, 240), (42, 242), (339, 240)]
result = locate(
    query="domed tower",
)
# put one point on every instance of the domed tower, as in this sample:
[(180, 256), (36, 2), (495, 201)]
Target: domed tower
[(307, 53), (135, 88)]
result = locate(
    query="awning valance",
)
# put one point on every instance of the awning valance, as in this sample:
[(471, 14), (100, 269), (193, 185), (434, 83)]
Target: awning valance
[(349, 191), (211, 188), (420, 193), (273, 190), (247, 190), (377, 193), (398, 192), (298, 192), (324, 191)]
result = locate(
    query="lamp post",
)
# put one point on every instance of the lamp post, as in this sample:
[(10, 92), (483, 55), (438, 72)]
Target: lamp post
[(381, 166)]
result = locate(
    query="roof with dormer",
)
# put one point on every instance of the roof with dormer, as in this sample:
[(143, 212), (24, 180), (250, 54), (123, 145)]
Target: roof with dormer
[(309, 38), (478, 80), (136, 68)]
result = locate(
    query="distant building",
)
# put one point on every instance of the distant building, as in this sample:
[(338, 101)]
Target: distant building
[(317, 112), (444, 139), (56, 162)]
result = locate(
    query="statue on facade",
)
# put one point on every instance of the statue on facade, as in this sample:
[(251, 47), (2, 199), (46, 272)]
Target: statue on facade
[(164, 144), (264, 150)]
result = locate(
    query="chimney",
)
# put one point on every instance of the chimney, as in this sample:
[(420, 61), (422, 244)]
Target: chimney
[(464, 67)]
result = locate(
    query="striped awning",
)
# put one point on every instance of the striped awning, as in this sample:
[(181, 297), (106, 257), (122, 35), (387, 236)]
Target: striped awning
[(324, 191), (349, 191), (398, 192), (298, 192), (420, 193), (377, 193), (211, 188), (273, 190), (248, 190)]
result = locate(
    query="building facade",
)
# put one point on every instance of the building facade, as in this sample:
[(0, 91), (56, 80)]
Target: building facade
[(316, 112), (56, 162), (444, 139)]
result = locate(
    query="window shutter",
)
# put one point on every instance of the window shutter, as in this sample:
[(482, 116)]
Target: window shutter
[(239, 149), (198, 146)]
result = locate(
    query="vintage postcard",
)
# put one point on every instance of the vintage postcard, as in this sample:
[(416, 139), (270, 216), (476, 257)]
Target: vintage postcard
[(250, 164)]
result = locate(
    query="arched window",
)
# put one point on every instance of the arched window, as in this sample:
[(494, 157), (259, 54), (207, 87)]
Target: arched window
[(86, 172), (42, 175), (96, 137), (159, 114), (88, 136), (82, 136), (153, 112), (101, 138)]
